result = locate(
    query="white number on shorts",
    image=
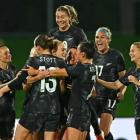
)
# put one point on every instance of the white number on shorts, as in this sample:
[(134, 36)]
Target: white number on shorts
[(111, 103)]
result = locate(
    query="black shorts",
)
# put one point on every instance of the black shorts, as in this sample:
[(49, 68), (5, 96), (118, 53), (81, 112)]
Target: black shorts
[(137, 115), (7, 125), (79, 119), (137, 125), (103, 105), (37, 122)]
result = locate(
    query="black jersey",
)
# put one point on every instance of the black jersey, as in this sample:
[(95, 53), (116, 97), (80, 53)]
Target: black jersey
[(7, 100), (43, 96), (68, 81), (83, 79), (108, 65), (73, 36), (135, 72)]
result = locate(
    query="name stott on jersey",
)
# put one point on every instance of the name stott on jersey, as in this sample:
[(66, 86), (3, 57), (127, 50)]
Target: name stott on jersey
[(83, 80), (108, 65), (43, 96), (7, 100), (73, 36)]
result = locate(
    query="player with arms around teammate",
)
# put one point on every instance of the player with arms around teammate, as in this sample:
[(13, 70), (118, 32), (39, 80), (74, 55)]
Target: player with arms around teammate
[(58, 73), (66, 16), (42, 108), (132, 77), (83, 78), (110, 66), (7, 105)]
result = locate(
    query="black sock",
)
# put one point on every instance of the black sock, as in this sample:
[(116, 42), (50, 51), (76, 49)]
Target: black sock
[(109, 137)]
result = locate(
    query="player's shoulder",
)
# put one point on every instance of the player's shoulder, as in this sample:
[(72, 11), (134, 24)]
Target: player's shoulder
[(76, 28), (12, 66), (115, 52), (53, 31), (58, 58)]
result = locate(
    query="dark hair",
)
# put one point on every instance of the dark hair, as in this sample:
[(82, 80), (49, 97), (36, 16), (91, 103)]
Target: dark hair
[(88, 48), (44, 42), (71, 12)]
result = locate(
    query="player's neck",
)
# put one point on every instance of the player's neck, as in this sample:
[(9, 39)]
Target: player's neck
[(103, 51), (3, 65), (46, 52), (64, 28), (86, 61), (138, 64)]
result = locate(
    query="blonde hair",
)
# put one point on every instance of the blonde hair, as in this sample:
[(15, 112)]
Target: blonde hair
[(33, 52), (56, 43), (137, 44), (71, 12)]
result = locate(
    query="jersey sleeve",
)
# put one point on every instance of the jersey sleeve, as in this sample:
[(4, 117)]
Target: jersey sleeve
[(120, 63), (17, 83), (82, 36), (62, 64), (124, 79), (52, 32), (74, 71), (31, 62), (1, 77)]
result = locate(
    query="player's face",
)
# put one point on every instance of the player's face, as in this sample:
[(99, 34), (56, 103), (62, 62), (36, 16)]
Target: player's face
[(73, 58), (5, 55), (79, 55), (101, 41), (134, 53), (61, 51), (62, 20)]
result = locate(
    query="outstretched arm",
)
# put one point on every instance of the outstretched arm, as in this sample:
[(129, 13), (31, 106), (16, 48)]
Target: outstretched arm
[(58, 72), (55, 72), (122, 90), (112, 85)]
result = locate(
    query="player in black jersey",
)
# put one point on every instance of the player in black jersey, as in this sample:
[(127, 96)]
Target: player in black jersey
[(7, 106), (132, 77), (110, 66), (66, 16), (83, 76), (68, 82), (59, 50), (42, 107)]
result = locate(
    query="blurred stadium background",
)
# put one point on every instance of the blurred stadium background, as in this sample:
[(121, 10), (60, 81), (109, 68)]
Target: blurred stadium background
[(21, 21)]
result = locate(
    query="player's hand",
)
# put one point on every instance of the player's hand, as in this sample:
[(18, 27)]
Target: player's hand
[(31, 71), (1, 94), (43, 73), (132, 79), (120, 96)]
